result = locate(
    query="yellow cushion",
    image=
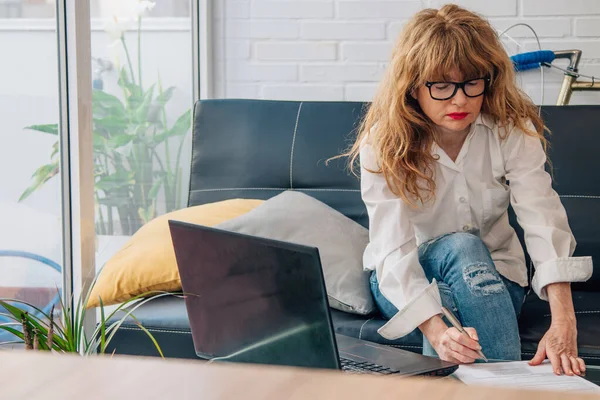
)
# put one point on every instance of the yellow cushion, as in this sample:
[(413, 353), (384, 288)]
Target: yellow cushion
[(147, 261)]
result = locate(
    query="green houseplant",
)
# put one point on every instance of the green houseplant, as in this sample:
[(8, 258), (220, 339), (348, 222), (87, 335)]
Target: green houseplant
[(66, 334), (137, 152)]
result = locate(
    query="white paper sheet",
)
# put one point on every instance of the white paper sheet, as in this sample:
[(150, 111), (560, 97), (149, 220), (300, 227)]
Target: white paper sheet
[(520, 374)]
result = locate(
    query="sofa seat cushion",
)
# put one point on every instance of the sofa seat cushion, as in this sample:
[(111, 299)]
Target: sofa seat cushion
[(533, 324), (535, 320), (166, 318)]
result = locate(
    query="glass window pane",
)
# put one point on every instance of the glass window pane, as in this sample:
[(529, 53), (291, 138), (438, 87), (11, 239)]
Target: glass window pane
[(142, 98), (30, 209), (35, 9)]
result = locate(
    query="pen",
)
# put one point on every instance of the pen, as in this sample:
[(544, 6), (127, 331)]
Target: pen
[(454, 321)]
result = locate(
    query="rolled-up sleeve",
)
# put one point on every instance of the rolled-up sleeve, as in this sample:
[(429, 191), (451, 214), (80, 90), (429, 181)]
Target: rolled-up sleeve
[(393, 253), (540, 213)]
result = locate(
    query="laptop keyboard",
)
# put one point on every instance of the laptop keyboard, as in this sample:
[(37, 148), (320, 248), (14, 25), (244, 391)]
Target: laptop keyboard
[(364, 367)]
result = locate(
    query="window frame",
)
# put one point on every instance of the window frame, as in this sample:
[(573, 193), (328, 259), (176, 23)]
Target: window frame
[(76, 133)]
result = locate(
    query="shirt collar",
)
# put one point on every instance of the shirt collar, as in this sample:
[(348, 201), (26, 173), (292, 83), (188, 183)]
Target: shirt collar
[(485, 120), (481, 120)]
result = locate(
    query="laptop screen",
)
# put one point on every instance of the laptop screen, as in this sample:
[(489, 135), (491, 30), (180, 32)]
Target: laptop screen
[(253, 300)]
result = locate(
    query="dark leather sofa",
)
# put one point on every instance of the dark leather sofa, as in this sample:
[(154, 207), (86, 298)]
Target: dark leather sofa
[(258, 148)]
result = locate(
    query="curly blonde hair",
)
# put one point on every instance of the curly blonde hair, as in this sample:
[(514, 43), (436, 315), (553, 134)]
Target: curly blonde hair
[(433, 43)]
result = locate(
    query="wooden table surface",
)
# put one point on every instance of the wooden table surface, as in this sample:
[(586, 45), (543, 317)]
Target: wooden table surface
[(37, 375)]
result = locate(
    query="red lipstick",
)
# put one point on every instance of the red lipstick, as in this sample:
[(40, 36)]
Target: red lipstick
[(458, 116)]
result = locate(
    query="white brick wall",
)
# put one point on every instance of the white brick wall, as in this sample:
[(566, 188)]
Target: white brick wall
[(262, 29), (338, 49), (317, 50), (587, 27), (365, 9)]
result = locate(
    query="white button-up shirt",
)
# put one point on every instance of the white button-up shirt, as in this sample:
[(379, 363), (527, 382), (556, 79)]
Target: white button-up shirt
[(472, 193)]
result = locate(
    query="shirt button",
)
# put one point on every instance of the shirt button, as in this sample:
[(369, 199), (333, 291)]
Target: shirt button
[(462, 200), (466, 227)]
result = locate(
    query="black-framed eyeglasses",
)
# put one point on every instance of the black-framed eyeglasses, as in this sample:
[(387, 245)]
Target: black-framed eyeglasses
[(447, 90)]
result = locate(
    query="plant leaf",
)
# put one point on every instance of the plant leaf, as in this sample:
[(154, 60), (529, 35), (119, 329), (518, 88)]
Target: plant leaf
[(46, 171), (114, 201), (119, 179), (35, 321), (11, 342), (48, 128), (183, 124), (79, 327), (71, 326), (40, 176), (99, 142), (103, 327), (133, 91), (82, 305), (106, 105), (10, 324), (54, 150), (30, 322), (165, 96), (153, 192), (180, 128), (110, 124), (139, 325), (14, 331), (147, 214), (141, 113), (15, 313), (117, 141), (114, 327)]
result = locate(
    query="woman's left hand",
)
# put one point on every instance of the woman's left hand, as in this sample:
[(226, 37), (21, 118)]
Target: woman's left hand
[(559, 344)]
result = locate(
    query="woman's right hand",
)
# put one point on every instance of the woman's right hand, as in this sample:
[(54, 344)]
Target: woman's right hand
[(456, 347), (449, 343)]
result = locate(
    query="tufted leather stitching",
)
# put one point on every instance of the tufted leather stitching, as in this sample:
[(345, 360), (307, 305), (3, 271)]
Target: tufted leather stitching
[(524, 352), (127, 328), (578, 312), (293, 143), (304, 189), (577, 196), (390, 345), (361, 328), (582, 356), (400, 346)]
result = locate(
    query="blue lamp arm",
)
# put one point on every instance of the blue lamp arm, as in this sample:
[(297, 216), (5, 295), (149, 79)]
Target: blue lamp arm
[(44, 260)]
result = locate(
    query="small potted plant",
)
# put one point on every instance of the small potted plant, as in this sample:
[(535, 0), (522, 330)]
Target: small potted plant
[(41, 330)]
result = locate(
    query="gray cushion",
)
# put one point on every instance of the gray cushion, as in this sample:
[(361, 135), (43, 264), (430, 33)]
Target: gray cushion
[(298, 218)]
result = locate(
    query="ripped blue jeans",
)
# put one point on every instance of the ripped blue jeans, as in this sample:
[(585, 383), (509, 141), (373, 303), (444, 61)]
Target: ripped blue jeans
[(471, 287)]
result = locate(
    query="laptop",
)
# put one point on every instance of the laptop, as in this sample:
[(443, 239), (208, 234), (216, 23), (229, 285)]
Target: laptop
[(256, 300)]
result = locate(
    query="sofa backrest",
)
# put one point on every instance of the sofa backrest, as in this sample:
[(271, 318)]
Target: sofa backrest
[(574, 153), (259, 148)]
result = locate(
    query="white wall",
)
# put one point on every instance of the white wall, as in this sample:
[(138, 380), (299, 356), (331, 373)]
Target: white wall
[(338, 49)]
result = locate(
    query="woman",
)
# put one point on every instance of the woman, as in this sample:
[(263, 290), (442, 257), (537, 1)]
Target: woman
[(448, 142)]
